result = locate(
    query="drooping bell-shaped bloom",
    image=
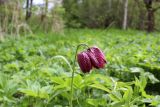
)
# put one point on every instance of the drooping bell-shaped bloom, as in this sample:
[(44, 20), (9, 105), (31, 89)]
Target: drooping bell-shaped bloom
[(97, 57), (84, 62)]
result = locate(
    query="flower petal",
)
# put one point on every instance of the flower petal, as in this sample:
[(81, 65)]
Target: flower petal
[(84, 62), (98, 55), (93, 59)]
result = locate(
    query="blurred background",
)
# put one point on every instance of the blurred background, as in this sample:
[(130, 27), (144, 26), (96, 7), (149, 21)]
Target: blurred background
[(38, 40), (23, 16)]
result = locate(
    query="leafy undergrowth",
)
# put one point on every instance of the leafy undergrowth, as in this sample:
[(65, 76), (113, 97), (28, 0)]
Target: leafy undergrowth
[(35, 70)]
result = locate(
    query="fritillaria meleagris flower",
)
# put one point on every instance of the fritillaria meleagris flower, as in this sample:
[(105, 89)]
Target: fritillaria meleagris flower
[(93, 57), (84, 62), (97, 57)]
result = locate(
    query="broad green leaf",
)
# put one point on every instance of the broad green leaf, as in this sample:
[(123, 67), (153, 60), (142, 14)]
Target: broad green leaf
[(78, 81), (128, 94), (116, 96), (101, 87), (136, 70), (57, 80)]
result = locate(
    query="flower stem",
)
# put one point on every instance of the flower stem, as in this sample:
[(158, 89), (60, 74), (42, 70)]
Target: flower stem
[(74, 64)]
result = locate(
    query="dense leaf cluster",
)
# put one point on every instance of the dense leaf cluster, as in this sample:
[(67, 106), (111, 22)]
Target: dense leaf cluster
[(35, 70)]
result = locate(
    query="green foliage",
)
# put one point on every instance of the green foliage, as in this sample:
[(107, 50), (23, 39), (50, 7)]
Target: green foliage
[(104, 13), (36, 70)]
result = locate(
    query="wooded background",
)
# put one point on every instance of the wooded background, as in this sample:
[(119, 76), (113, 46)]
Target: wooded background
[(39, 44), (22, 16)]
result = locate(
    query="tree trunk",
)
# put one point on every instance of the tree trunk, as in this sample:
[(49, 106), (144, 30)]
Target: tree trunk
[(151, 22), (29, 4), (44, 11), (125, 14), (46, 7), (110, 4), (27, 9), (150, 17)]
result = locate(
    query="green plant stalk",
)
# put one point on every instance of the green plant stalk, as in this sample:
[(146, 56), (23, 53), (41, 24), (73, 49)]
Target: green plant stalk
[(73, 71)]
